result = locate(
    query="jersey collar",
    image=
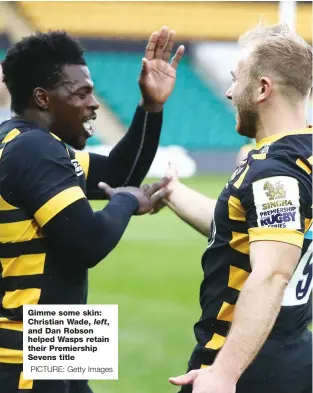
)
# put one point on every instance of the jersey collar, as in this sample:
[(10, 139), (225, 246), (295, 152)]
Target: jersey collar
[(276, 137)]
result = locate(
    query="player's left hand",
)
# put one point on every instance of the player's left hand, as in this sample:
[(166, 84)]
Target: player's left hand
[(206, 381), (157, 76)]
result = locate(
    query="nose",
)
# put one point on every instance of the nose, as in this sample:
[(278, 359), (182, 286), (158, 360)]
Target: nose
[(94, 104), (228, 94)]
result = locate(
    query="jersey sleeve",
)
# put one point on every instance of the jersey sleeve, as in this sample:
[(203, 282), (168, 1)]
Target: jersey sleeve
[(40, 177), (276, 196), (37, 175)]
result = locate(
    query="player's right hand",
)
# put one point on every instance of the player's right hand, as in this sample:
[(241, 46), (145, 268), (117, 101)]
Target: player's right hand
[(160, 203), (147, 195)]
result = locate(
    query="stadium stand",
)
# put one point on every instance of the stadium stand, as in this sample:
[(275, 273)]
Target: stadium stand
[(193, 20)]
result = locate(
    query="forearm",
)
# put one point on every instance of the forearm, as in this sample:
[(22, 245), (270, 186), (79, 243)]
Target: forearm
[(110, 225), (130, 160), (255, 314), (192, 207), (139, 146)]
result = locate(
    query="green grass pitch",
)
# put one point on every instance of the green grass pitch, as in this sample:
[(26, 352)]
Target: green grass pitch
[(154, 276)]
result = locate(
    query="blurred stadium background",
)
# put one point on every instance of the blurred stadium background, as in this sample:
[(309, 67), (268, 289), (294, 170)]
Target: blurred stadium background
[(154, 273)]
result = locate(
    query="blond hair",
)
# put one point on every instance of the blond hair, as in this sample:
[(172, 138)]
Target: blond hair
[(279, 53)]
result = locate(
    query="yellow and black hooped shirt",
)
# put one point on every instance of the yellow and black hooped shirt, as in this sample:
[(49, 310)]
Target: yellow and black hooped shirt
[(49, 234), (269, 197)]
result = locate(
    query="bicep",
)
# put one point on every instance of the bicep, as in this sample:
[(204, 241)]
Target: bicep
[(67, 232), (79, 236), (57, 203), (270, 258)]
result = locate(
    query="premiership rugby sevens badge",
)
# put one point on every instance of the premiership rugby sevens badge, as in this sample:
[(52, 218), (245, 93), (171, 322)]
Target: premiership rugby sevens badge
[(277, 202)]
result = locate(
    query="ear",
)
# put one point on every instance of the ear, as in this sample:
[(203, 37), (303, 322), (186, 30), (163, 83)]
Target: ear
[(41, 98), (265, 89)]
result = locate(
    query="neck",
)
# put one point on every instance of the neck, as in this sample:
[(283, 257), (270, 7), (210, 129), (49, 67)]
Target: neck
[(281, 117), (34, 116)]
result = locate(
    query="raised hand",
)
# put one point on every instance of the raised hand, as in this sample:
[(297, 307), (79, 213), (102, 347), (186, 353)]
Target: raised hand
[(157, 77), (158, 203), (146, 195)]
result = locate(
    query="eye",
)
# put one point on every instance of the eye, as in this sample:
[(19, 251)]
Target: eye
[(233, 77), (82, 96)]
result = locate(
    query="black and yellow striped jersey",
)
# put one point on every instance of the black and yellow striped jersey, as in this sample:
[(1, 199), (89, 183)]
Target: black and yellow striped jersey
[(269, 197), (29, 273), (49, 234)]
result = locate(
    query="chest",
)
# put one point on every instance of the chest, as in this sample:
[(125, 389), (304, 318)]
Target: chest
[(228, 207)]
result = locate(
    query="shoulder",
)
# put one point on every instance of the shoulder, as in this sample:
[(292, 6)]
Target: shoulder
[(34, 156), (290, 156), (293, 146), (33, 145), (34, 161), (36, 137), (278, 179), (262, 165)]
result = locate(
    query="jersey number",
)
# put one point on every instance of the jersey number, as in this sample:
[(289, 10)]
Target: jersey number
[(300, 286)]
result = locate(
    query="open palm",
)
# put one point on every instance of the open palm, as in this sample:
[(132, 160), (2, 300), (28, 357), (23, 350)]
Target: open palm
[(157, 77)]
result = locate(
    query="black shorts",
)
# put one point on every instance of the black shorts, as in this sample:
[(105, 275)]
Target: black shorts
[(280, 367), (11, 381)]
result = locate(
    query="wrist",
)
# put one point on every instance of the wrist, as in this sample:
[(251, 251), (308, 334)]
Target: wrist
[(175, 188), (132, 201), (232, 373), (152, 107)]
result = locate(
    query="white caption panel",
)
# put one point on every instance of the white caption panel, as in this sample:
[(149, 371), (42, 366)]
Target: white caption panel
[(70, 342)]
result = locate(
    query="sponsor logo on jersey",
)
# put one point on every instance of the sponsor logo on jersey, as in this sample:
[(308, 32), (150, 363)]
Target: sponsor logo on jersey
[(270, 211), (78, 168), (271, 205), (278, 220), (277, 202), (274, 191)]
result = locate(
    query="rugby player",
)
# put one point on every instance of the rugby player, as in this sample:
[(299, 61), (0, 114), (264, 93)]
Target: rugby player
[(252, 336), (49, 234)]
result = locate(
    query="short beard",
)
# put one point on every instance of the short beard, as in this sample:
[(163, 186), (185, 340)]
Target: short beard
[(248, 115), (248, 122)]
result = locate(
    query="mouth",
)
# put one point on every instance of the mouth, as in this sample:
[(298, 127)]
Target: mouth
[(88, 125)]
